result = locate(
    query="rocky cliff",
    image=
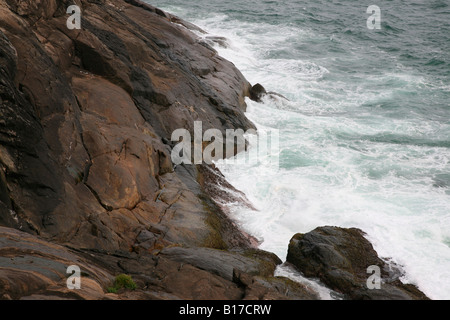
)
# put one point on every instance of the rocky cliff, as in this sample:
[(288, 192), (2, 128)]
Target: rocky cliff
[(86, 177)]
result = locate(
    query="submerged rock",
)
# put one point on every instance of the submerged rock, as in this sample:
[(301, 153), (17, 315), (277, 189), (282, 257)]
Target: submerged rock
[(342, 259)]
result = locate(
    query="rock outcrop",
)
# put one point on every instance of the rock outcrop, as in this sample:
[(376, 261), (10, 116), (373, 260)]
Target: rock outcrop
[(86, 176), (341, 258), (258, 92), (85, 114)]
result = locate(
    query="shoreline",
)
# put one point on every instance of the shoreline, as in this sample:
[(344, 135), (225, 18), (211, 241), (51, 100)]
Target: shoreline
[(85, 161)]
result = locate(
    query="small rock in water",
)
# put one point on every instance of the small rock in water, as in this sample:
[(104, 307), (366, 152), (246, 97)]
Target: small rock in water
[(257, 92)]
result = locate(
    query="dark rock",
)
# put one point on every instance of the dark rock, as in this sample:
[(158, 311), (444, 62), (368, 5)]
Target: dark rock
[(146, 240), (271, 288), (281, 288), (186, 24), (257, 92), (4, 198), (222, 263), (340, 259)]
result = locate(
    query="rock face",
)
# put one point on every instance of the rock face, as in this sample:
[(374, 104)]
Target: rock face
[(85, 113), (340, 258), (86, 176)]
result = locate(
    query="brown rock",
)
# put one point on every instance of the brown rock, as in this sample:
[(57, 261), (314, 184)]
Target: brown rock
[(83, 117), (30, 266), (96, 104)]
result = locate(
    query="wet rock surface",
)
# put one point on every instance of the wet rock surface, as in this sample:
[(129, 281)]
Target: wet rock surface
[(341, 258), (84, 115)]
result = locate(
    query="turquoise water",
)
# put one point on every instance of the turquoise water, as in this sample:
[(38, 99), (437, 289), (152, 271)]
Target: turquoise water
[(365, 137)]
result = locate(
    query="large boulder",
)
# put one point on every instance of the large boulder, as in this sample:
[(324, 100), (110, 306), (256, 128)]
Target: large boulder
[(343, 260)]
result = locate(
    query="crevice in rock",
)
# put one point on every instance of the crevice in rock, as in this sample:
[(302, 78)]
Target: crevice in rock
[(177, 197), (99, 200)]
